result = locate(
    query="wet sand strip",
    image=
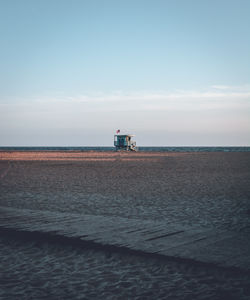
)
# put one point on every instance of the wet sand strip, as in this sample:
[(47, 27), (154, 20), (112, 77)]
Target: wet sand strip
[(213, 247)]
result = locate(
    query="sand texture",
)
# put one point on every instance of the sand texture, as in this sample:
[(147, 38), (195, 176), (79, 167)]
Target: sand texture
[(205, 189), (209, 190)]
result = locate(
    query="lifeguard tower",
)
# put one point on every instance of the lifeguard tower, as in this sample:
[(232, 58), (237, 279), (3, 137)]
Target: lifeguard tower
[(124, 142)]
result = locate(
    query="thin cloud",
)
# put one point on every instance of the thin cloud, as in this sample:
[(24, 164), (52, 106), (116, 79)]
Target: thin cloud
[(136, 101), (211, 112), (221, 87)]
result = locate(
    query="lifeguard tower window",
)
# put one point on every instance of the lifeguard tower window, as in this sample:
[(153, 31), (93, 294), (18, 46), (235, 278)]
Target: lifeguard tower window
[(124, 142)]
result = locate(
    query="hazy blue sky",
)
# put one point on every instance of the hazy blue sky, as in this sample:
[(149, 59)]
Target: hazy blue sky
[(173, 72)]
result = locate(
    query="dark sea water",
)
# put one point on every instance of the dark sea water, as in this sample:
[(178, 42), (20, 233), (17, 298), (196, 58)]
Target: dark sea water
[(154, 149)]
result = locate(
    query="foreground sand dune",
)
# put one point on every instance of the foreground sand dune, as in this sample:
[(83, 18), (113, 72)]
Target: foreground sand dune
[(155, 239)]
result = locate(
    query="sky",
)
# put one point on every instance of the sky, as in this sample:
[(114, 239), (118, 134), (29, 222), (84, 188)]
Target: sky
[(172, 72)]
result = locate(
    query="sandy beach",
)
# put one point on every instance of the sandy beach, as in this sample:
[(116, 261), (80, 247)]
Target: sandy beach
[(205, 189)]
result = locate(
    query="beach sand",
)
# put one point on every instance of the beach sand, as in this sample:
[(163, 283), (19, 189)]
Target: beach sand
[(203, 188), (206, 189)]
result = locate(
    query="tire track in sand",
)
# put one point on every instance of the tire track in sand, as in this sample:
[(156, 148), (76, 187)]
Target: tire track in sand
[(6, 171)]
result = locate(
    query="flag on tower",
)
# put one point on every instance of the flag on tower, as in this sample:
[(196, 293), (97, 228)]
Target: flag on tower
[(117, 131)]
